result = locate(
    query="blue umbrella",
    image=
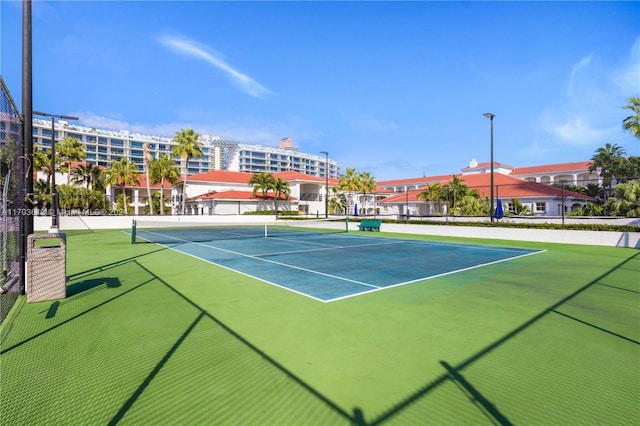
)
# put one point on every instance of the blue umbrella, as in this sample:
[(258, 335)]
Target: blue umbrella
[(499, 213), (355, 210)]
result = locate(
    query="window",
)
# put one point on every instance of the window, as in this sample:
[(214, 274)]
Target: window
[(541, 206), (102, 141), (90, 138), (136, 145), (117, 142)]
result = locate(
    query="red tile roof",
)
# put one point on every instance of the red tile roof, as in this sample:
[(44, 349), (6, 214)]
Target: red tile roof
[(221, 176), (233, 194), (553, 168), (505, 187)]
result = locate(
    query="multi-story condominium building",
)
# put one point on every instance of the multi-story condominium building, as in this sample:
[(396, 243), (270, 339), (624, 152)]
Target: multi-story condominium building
[(104, 146), (287, 157)]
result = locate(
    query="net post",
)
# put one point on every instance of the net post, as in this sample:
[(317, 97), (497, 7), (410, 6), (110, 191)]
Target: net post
[(347, 225), (133, 231), (265, 230)]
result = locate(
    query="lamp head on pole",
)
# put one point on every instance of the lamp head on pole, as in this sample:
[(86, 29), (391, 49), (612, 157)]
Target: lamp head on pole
[(489, 115)]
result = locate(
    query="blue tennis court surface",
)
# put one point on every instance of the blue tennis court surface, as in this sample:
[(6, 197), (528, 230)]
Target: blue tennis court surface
[(331, 267)]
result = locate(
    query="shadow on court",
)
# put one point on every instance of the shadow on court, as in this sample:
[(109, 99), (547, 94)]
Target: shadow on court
[(191, 367)]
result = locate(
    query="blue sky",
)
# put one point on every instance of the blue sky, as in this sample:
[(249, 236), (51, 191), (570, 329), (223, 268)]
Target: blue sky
[(397, 89)]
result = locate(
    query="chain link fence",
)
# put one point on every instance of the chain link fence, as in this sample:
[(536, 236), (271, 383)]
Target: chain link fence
[(13, 210)]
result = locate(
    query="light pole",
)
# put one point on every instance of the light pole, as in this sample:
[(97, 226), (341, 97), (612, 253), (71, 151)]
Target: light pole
[(55, 204), (490, 117), (326, 183)]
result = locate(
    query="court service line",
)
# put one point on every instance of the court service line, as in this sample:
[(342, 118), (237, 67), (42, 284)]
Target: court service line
[(434, 276), (311, 271), (324, 248)]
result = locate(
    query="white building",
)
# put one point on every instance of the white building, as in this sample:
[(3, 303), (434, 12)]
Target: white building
[(287, 157), (104, 146)]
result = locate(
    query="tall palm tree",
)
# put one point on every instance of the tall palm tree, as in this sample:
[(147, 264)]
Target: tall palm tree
[(367, 184), (457, 188), (69, 150), (432, 192), (609, 160), (349, 182), (187, 146), (123, 173), (163, 169), (85, 173), (280, 187), (147, 166), (338, 202), (262, 182), (42, 161), (632, 122)]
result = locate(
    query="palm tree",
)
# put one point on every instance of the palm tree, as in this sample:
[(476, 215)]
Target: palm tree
[(609, 160), (41, 194), (280, 187), (349, 182), (457, 188), (632, 122), (338, 202), (187, 146), (262, 182), (367, 184), (123, 173), (432, 192), (147, 161), (42, 161), (85, 173), (70, 150), (163, 169), (626, 199)]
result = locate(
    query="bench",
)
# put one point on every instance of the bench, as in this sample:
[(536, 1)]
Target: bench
[(369, 225)]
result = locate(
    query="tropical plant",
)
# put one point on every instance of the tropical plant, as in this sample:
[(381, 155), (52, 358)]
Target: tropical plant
[(187, 146), (41, 194), (123, 173), (520, 209), (456, 189), (625, 201), (608, 160), (69, 150), (338, 202), (86, 173), (163, 169), (147, 172), (280, 187), (262, 182), (157, 199), (349, 182), (42, 161), (632, 122), (472, 205), (366, 184)]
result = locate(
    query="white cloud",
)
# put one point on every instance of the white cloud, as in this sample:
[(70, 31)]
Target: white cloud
[(196, 50), (577, 131), (628, 78), (575, 70)]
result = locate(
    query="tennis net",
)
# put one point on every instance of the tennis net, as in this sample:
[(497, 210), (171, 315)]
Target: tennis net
[(179, 231)]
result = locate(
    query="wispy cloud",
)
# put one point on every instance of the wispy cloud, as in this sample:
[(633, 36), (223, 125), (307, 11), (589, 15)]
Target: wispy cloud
[(589, 113), (581, 65), (199, 51)]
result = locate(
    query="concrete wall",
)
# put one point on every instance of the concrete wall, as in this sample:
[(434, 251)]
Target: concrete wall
[(598, 238)]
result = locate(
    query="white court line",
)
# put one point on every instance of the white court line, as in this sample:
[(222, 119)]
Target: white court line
[(311, 271), (324, 248), (434, 276), (373, 289)]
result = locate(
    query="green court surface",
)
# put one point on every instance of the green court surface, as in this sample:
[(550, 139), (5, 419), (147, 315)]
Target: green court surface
[(148, 335)]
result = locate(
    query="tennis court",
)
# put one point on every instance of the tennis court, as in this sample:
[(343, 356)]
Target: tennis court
[(326, 266), (148, 335)]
